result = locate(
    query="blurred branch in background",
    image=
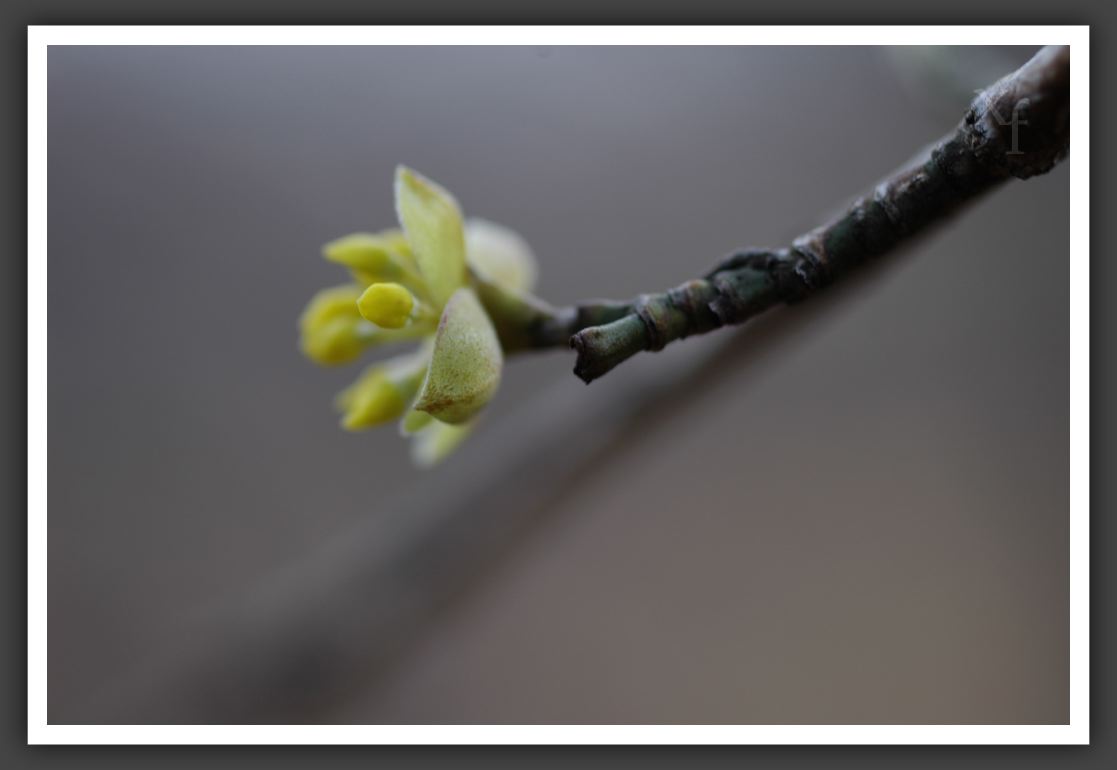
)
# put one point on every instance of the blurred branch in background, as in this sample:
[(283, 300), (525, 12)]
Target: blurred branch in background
[(303, 641)]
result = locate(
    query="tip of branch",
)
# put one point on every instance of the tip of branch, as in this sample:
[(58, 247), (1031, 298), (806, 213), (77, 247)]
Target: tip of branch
[(581, 367), (600, 348)]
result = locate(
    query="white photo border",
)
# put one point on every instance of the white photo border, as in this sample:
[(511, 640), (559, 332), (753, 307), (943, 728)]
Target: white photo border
[(39, 731)]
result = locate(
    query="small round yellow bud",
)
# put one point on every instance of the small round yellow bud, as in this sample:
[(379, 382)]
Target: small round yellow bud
[(388, 305)]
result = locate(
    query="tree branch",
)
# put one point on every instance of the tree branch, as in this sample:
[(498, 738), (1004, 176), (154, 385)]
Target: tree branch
[(1017, 127)]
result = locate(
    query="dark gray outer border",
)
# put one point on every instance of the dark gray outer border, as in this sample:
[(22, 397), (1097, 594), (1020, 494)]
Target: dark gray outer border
[(20, 13)]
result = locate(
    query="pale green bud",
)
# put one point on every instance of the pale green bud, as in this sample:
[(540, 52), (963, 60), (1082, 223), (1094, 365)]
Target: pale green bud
[(433, 223), (465, 366)]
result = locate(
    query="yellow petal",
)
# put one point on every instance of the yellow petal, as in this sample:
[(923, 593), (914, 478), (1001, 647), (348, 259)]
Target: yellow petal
[(377, 402), (327, 304), (387, 305), (337, 341), (373, 257), (432, 443), (500, 255), (382, 392), (465, 366), (330, 327), (433, 222), (413, 422)]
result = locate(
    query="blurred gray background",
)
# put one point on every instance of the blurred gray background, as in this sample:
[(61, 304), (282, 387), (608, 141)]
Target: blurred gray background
[(868, 523)]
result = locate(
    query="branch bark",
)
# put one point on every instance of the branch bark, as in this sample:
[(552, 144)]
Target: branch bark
[(1018, 127)]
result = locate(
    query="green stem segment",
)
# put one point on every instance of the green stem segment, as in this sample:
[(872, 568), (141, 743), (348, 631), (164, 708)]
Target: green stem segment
[(1018, 127)]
